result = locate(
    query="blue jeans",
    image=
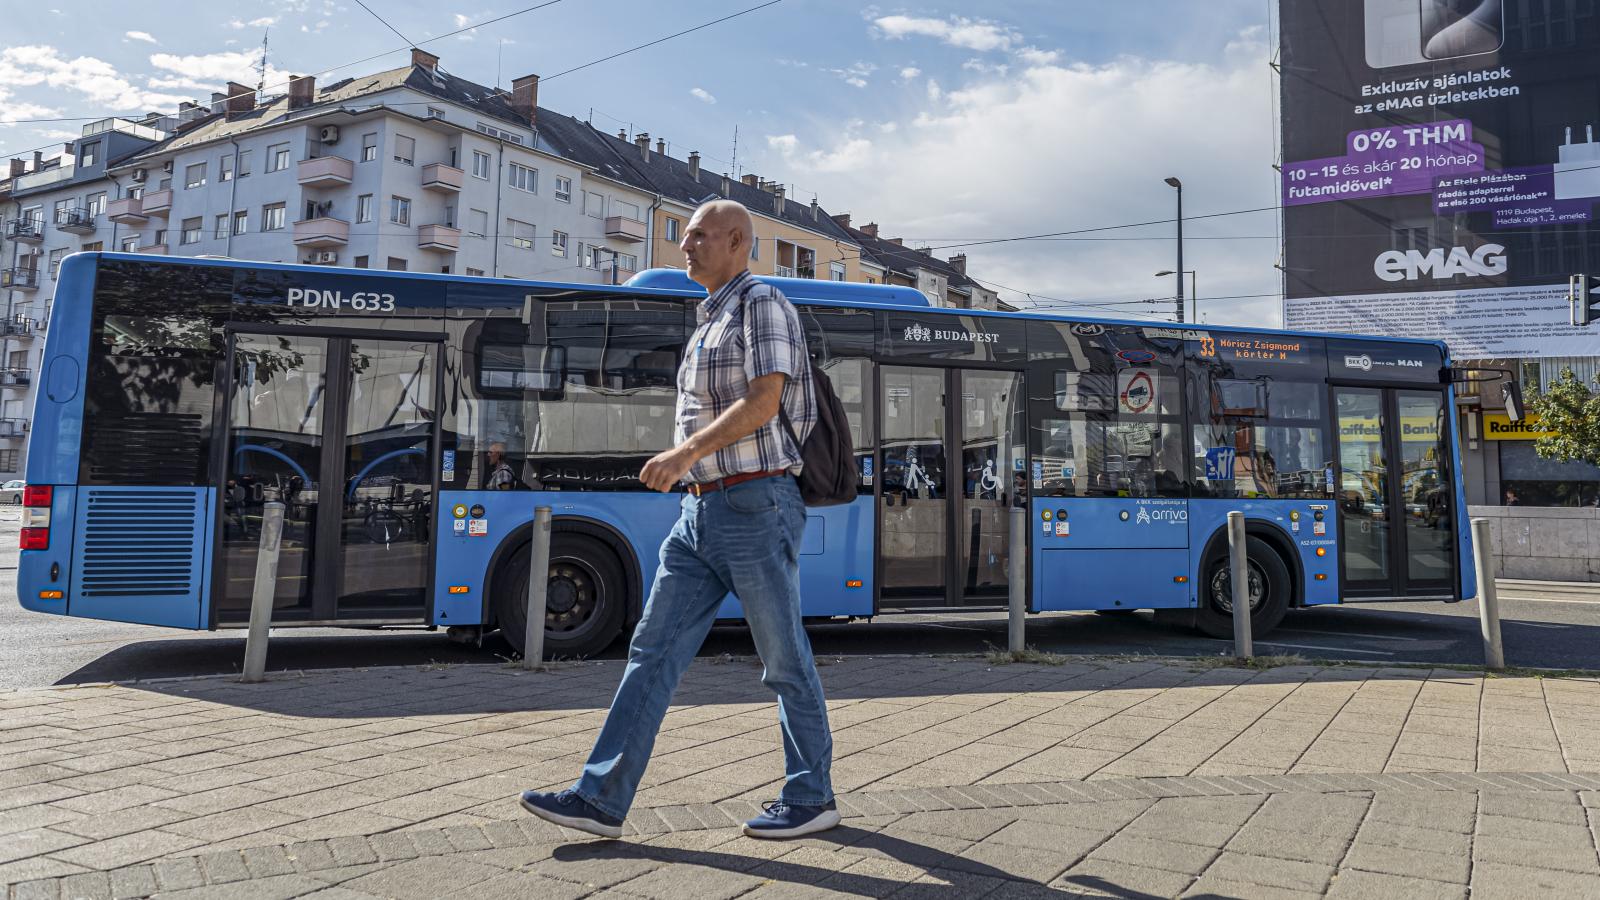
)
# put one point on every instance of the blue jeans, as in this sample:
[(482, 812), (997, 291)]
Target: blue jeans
[(743, 540)]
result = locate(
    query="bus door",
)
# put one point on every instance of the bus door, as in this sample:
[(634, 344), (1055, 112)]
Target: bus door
[(344, 428), (953, 460), (1395, 498)]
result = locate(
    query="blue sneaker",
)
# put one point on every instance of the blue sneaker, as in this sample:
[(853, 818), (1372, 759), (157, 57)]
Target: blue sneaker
[(567, 808), (781, 820)]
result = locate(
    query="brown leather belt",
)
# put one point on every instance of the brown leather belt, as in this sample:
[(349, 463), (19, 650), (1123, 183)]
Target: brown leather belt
[(706, 487)]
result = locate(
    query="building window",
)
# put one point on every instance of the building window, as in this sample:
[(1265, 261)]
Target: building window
[(588, 256), (369, 147), (594, 204), (194, 176), (130, 244), (272, 217), (397, 264), (93, 247), (89, 153), (60, 211), (478, 223), (222, 227), (627, 262), (244, 163), (161, 236), (755, 248), (519, 234), (241, 222), (836, 271), (191, 231), (364, 208), (55, 260), (558, 244), (360, 262), (672, 229), (34, 214), (480, 164), (523, 178), (405, 149), (435, 112), (224, 169), (563, 189), (474, 273), (96, 204), (626, 210), (8, 460), (277, 157), (494, 132), (400, 210)]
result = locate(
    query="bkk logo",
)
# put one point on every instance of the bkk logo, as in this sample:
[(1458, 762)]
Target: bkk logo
[(1410, 265)]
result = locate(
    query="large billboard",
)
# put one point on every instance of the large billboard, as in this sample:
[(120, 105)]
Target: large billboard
[(1441, 169)]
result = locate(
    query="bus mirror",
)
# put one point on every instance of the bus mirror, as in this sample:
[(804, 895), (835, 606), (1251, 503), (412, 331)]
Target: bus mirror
[(1511, 393)]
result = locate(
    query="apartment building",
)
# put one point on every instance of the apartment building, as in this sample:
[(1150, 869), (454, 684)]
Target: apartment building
[(944, 282)]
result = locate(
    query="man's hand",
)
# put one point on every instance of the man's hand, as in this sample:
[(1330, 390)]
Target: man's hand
[(666, 469)]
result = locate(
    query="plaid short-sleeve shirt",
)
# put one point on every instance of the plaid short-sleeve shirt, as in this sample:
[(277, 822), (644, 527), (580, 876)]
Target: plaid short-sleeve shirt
[(747, 329)]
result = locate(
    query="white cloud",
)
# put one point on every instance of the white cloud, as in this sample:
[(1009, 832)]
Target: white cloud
[(145, 36), (703, 95), (1059, 146), (263, 22), (855, 74), (96, 79), (210, 70), (909, 72), (12, 110), (957, 31), (1033, 56)]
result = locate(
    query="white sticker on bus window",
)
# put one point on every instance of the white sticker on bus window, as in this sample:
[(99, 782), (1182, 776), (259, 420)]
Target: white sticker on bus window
[(477, 527), (1063, 529)]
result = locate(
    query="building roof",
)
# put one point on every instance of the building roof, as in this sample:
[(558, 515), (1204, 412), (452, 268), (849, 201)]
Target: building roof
[(905, 261), (670, 177)]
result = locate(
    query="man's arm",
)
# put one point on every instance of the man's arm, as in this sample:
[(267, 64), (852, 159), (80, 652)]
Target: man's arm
[(758, 407)]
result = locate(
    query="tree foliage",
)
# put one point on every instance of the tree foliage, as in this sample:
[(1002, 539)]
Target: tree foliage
[(1570, 409)]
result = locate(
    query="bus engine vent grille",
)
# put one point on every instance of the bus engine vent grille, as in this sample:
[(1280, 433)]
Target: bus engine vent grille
[(139, 544)]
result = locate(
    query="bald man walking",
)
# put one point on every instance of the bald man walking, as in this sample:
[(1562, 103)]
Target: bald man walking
[(739, 532)]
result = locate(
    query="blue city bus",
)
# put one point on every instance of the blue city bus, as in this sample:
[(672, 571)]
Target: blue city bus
[(411, 424)]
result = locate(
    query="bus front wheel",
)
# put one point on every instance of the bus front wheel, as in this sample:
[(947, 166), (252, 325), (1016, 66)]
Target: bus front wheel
[(1269, 586), (584, 597)]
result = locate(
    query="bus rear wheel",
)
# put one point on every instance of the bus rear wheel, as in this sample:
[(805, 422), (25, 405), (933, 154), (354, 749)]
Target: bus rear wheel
[(1269, 586), (584, 597)]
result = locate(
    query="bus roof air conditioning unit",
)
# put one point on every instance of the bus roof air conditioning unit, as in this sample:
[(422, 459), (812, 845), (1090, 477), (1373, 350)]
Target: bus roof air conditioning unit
[(139, 175), (329, 134)]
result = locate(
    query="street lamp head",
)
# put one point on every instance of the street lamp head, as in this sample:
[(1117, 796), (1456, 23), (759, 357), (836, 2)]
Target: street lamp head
[(1164, 272), (1175, 183)]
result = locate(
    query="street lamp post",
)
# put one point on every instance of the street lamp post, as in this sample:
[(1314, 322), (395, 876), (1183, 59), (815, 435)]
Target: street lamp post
[(1194, 292), (1178, 186)]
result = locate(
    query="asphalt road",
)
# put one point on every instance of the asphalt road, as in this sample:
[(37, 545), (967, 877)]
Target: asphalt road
[(1542, 628)]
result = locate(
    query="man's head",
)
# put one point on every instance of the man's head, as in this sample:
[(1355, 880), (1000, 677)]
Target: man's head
[(717, 243)]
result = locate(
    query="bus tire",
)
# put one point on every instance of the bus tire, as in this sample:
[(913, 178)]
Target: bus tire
[(585, 603), (1270, 589)]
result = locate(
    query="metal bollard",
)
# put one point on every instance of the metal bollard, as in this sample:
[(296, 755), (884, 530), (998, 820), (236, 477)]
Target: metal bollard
[(1018, 578), (266, 583), (1240, 578), (538, 586), (1494, 652)]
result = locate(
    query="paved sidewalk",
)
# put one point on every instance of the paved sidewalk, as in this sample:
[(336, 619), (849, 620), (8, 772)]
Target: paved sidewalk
[(958, 778)]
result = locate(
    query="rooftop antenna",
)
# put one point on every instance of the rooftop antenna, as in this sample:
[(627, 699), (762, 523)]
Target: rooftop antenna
[(735, 162), (261, 70), (498, 55)]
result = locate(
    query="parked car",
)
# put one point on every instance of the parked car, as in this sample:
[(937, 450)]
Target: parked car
[(11, 492)]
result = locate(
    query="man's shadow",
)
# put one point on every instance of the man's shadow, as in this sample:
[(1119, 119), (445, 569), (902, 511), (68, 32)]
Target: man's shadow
[(958, 877)]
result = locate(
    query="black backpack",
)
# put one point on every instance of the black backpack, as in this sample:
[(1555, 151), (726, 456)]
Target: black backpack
[(829, 476)]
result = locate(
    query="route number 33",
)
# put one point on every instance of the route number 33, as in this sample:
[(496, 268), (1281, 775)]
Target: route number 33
[(1208, 346)]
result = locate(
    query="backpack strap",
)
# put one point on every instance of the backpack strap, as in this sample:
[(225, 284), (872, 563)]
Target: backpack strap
[(783, 414)]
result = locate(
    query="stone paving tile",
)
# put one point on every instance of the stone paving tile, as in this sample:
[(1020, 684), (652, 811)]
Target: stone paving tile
[(1356, 885)]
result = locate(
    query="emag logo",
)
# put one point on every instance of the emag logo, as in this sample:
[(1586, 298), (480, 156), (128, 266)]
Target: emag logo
[(1441, 264)]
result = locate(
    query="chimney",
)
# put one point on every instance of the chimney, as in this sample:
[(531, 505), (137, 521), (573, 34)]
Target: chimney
[(241, 99), (424, 59), (816, 214), (727, 185), (842, 220), (642, 141), (752, 180), (694, 165), (777, 199), (38, 160), (870, 229), (959, 263), (661, 146), (622, 134), (19, 167), (302, 91), (525, 97), (219, 102), (898, 242)]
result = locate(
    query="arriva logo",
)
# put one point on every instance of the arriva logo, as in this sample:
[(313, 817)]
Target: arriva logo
[(1144, 516), (1409, 265)]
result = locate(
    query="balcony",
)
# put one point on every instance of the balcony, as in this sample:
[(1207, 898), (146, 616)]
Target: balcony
[(15, 378), (26, 231), (157, 203), (127, 211), (20, 279), (154, 249), (13, 428), (439, 238), (77, 221), (19, 327), (442, 178), (621, 228), (321, 233), (326, 172)]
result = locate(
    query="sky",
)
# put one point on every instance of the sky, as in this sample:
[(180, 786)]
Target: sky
[(949, 125)]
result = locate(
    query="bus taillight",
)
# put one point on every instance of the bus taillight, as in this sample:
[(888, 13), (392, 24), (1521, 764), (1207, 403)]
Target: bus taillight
[(36, 516)]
